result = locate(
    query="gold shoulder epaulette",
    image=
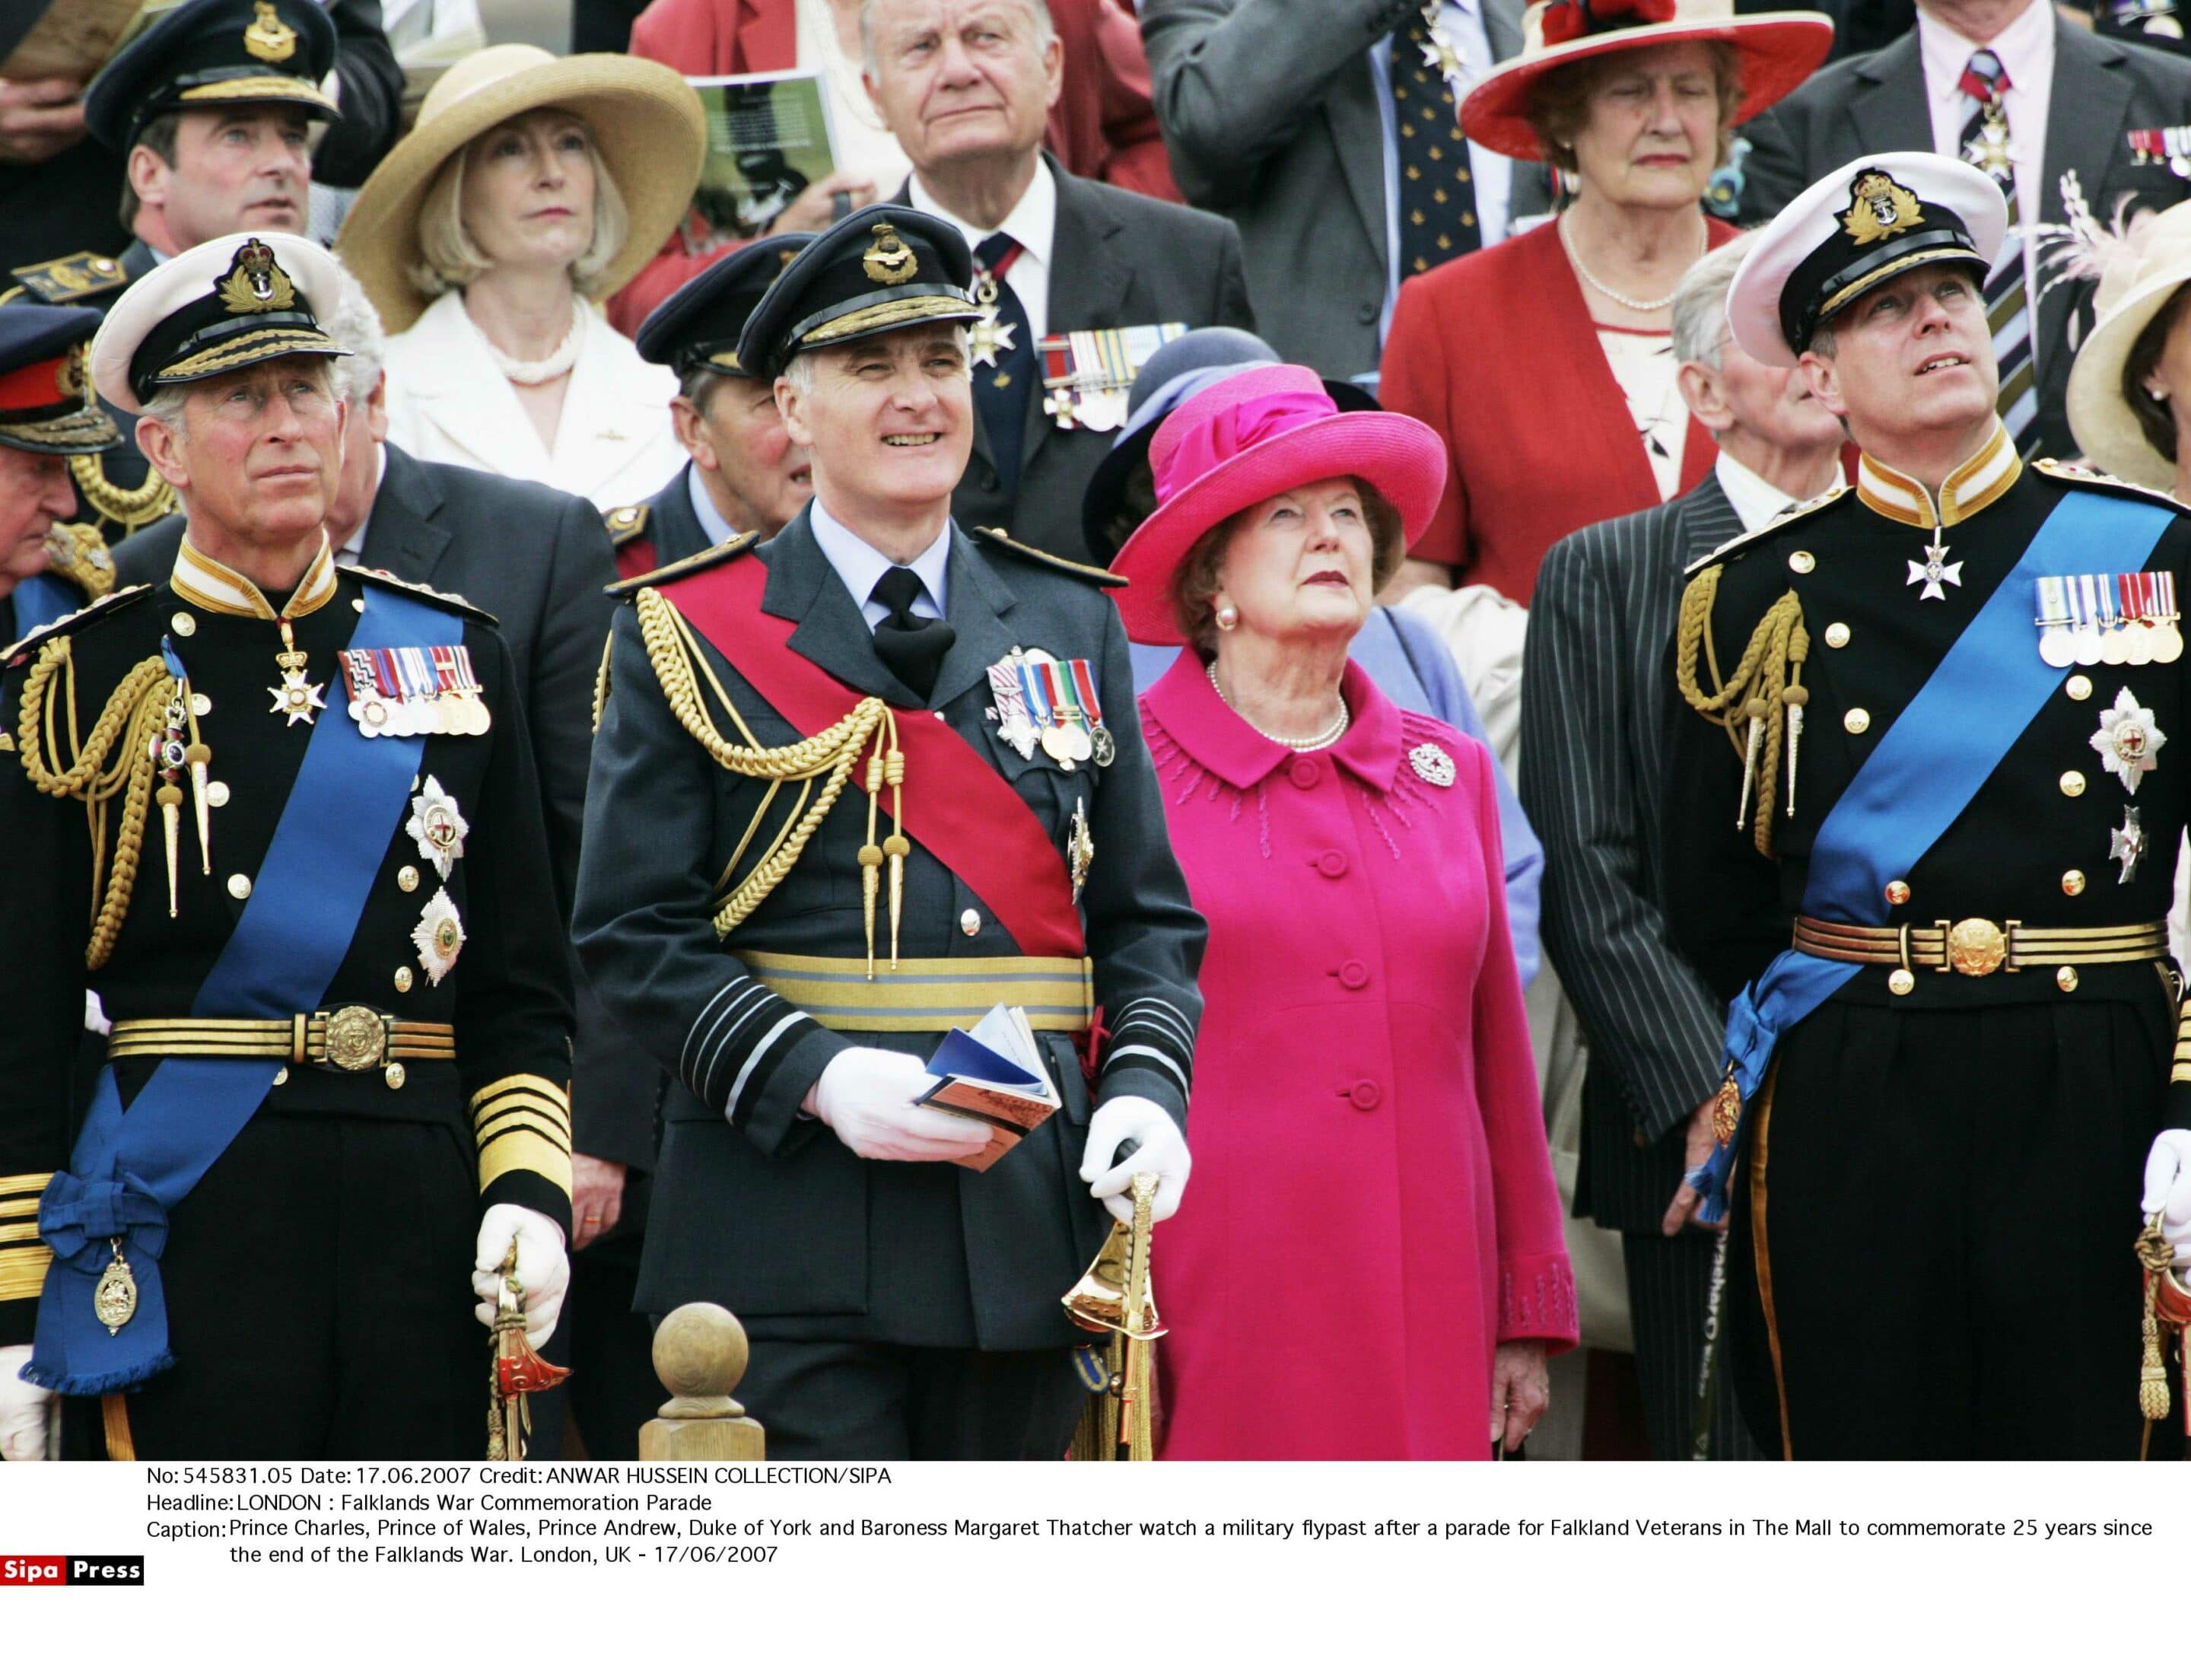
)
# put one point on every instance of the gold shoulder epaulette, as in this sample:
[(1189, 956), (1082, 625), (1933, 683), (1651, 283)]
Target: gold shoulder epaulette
[(71, 623), (2091, 478), (80, 554), (625, 523), (71, 279), (440, 597), (738, 544), (1072, 568), (1734, 546)]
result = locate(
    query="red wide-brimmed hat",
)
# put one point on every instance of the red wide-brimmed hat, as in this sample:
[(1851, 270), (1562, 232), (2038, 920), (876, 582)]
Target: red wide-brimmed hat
[(1257, 435), (1778, 51)]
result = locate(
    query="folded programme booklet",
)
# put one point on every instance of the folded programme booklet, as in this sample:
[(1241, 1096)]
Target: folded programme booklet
[(994, 1074)]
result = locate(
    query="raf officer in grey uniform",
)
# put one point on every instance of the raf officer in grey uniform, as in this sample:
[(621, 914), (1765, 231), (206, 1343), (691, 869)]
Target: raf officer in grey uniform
[(808, 856)]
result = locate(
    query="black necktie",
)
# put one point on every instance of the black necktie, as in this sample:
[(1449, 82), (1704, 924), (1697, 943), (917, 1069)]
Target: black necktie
[(1003, 357), (913, 648), (1437, 197)]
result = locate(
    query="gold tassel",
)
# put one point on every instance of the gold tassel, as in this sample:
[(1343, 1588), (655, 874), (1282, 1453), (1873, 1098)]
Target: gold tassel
[(1748, 766), (897, 846), (198, 756), (2155, 1254), (171, 822)]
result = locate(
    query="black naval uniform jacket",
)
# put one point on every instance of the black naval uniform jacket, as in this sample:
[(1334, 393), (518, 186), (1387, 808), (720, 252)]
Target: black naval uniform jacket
[(2011, 850), (758, 1205), (507, 995), (538, 560)]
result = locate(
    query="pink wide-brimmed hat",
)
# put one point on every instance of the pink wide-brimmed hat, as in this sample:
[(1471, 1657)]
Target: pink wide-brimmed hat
[(1257, 435)]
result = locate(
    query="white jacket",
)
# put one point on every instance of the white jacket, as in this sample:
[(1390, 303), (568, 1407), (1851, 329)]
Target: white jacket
[(448, 402)]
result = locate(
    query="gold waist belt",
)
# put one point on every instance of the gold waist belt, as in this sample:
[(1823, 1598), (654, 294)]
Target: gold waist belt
[(928, 994), (1976, 946), (353, 1038)]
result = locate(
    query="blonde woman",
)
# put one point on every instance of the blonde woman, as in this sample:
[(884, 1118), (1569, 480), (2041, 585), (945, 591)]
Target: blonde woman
[(532, 186)]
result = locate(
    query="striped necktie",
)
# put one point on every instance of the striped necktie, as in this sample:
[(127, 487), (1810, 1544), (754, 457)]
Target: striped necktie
[(2007, 297)]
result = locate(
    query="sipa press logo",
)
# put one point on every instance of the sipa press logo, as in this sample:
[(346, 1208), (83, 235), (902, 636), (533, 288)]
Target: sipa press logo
[(20, 1570)]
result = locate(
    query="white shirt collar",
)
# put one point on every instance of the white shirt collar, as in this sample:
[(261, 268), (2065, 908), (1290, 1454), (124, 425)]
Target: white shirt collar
[(1757, 499), (713, 525), (1033, 221), (2025, 49), (860, 565)]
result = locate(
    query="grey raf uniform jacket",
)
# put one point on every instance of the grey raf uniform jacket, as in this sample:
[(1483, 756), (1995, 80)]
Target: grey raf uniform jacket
[(758, 1205)]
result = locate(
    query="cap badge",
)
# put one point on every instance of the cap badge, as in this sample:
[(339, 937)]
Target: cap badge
[(889, 261), (1881, 207), (254, 283), (268, 38), (70, 376)]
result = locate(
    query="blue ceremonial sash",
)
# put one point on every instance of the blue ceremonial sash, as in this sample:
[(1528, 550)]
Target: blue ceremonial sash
[(1920, 777), (131, 1166), (42, 598)]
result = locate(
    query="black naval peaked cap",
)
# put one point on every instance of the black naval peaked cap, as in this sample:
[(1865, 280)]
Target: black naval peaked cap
[(1852, 229), (46, 404), (699, 324), (879, 269), (211, 53)]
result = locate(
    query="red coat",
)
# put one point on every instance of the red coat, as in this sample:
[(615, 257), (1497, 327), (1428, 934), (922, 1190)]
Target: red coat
[(1373, 1209), (1103, 126), (1498, 354)]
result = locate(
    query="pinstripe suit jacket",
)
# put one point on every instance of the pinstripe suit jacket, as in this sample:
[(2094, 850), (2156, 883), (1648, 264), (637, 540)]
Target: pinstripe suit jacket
[(1594, 707)]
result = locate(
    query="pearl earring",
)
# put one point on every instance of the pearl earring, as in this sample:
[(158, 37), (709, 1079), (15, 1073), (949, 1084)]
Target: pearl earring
[(1228, 616), (2156, 393)]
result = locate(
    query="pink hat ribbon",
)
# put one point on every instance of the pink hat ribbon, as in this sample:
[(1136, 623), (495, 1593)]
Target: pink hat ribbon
[(1216, 437)]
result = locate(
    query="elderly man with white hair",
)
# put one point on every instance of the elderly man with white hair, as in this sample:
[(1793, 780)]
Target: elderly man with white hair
[(538, 559), (335, 1104), (1593, 722)]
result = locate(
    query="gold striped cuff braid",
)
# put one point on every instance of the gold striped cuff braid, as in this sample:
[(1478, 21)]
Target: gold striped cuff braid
[(523, 1123), (23, 1257), (2180, 1074), (930, 995)]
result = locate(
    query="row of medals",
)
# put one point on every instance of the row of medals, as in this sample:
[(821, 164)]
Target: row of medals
[(2078, 626), (449, 710), (1068, 735)]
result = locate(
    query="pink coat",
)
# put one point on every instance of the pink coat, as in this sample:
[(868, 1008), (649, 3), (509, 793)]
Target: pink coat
[(1373, 1208)]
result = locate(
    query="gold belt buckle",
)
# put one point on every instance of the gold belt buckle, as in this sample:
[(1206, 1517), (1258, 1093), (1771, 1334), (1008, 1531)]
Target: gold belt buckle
[(356, 1038), (1976, 946)]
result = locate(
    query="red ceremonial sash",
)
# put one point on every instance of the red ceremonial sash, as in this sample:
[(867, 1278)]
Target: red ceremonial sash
[(956, 803)]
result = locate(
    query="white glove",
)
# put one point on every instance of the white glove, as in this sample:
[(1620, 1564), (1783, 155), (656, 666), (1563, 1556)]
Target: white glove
[(1159, 1148), (543, 1269), (26, 1410), (869, 1099), (2168, 1186)]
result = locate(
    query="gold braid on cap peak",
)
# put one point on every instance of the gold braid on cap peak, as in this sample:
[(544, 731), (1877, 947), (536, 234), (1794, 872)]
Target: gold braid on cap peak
[(1761, 705), (674, 652), (115, 760)]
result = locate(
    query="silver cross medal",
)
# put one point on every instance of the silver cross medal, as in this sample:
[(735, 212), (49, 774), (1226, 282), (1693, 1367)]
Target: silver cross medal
[(1935, 570), (2126, 845)]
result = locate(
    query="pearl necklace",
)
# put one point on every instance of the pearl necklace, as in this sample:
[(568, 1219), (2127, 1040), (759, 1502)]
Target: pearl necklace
[(557, 363), (1641, 305), (1313, 743)]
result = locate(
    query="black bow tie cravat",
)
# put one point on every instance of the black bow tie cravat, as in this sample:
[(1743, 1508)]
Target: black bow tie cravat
[(912, 648)]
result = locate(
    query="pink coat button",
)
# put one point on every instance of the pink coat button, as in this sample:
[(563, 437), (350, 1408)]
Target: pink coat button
[(1307, 772), (1331, 865), (1365, 1095), (1354, 975)]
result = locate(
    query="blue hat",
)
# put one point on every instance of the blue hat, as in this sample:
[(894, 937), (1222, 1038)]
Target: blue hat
[(213, 53), (699, 324), (879, 269), (1176, 371), (46, 404)]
